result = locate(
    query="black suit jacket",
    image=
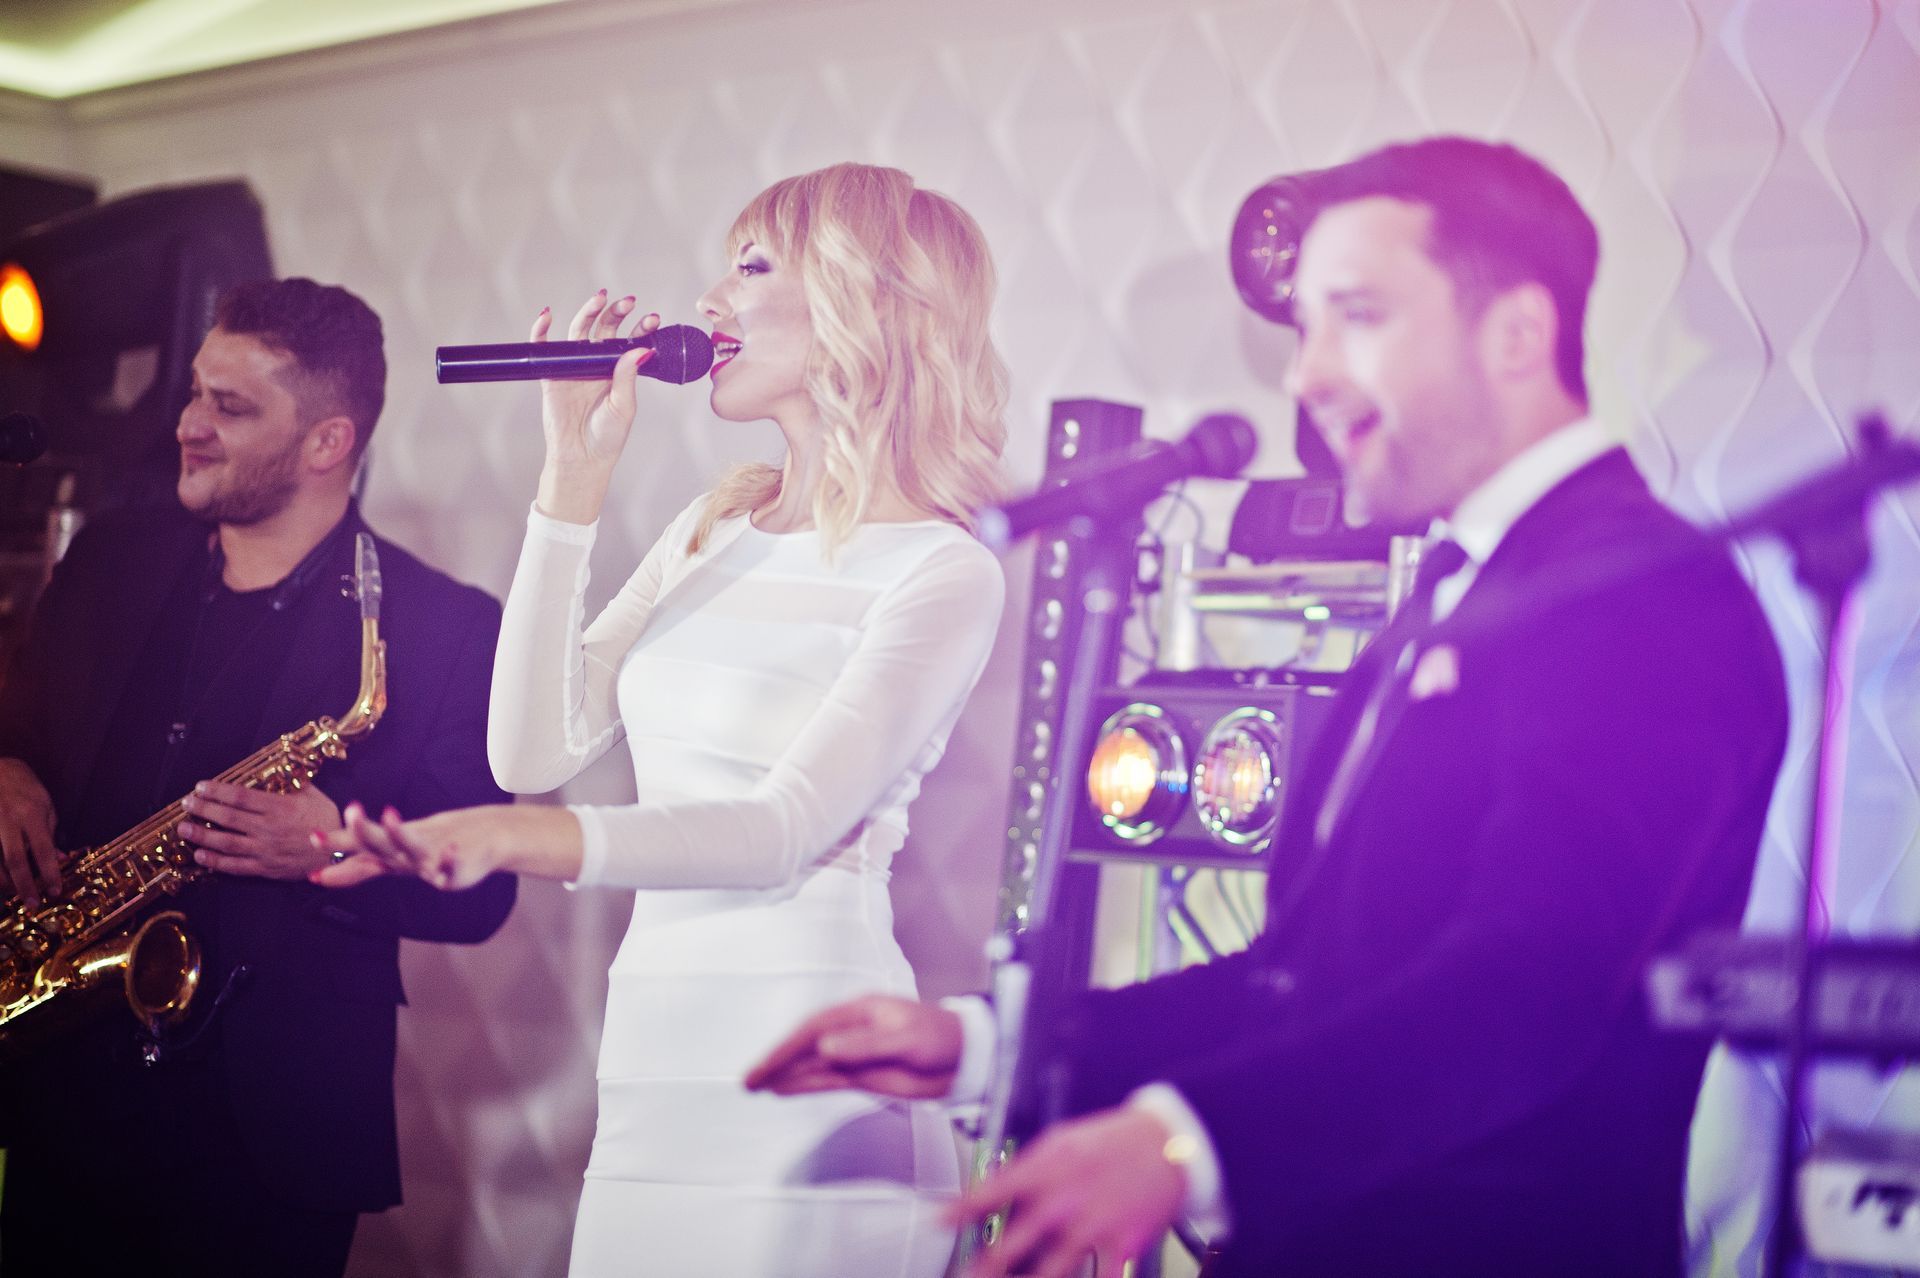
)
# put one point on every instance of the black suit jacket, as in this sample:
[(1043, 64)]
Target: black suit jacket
[(1435, 1059), (305, 1039)]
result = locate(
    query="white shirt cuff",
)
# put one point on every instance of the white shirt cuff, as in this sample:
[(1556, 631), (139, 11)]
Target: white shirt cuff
[(593, 846), (559, 530), (1205, 1206), (979, 1036)]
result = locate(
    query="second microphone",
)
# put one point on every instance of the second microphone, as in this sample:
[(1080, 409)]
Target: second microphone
[(681, 353)]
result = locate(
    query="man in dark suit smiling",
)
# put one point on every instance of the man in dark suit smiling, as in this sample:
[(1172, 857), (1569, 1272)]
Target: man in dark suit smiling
[(1553, 764), (170, 645)]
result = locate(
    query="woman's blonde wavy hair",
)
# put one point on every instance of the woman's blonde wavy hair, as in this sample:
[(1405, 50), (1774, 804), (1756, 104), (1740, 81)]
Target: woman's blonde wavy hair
[(908, 385)]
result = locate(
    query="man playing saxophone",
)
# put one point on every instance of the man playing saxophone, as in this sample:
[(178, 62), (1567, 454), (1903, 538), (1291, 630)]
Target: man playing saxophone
[(169, 646)]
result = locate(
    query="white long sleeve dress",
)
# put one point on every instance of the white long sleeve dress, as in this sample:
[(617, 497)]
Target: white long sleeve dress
[(781, 711)]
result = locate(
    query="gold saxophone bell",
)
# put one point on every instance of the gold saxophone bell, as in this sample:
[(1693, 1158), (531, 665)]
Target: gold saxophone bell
[(93, 933), (158, 966)]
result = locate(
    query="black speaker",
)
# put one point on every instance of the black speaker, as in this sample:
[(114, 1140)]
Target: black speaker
[(126, 292), (30, 198)]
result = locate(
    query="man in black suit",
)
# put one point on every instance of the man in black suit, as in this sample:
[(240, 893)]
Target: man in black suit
[(169, 646), (1554, 764)]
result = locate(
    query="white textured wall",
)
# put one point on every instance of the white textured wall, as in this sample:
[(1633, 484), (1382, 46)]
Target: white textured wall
[(35, 135), (1751, 162)]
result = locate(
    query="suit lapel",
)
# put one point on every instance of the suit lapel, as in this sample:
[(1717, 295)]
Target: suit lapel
[(138, 600), (1297, 857)]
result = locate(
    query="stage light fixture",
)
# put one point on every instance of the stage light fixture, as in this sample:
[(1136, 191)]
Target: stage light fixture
[(1265, 245), (1147, 797), (1137, 777), (1239, 778), (20, 315)]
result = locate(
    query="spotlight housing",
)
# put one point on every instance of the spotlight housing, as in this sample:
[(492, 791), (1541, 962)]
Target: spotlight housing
[(1239, 778), (1265, 245), (1137, 776)]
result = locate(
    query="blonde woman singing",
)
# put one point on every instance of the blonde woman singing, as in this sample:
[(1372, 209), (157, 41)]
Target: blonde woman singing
[(786, 664)]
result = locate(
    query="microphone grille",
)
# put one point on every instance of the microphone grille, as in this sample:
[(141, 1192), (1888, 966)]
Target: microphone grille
[(1223, 444), (681, 353)]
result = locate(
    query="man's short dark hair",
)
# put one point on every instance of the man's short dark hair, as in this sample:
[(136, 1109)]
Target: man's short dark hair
[(333, 338), (1500, 218)]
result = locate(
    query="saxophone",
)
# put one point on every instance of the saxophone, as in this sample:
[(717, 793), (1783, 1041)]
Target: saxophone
[(94, 933)]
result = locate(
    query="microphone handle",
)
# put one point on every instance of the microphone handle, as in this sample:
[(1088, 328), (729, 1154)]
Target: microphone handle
[(1106, 488), (534, 361)]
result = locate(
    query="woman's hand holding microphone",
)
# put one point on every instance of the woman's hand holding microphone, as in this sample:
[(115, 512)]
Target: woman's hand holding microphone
[(586, 423)]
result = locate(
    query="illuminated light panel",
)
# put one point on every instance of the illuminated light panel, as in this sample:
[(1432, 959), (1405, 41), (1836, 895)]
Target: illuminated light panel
[(144, 40), (1239, 777), (20, 315), (1137, 778)]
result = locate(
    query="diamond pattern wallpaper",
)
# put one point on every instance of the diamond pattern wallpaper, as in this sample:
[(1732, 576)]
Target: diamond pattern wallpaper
[(1752, 165)]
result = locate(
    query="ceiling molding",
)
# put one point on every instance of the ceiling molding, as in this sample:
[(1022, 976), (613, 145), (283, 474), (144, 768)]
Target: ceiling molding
[(28, 108), (89, 73)]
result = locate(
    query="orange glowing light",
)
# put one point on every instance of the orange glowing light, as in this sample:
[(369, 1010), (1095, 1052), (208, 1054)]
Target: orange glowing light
[(1137, 778), (1123, 775), (20, 315)]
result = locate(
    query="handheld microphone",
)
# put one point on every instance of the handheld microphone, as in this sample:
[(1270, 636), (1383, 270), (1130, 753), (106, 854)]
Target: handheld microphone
[(1219, 446), (681, 353), (23, 437)]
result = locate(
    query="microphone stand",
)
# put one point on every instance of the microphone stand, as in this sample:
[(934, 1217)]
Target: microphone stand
[(1824, 525), (1028, 1086)]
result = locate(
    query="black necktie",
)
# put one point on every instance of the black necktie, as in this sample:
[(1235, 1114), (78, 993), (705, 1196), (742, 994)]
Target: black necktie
[(1386, 697), (1440, 561)]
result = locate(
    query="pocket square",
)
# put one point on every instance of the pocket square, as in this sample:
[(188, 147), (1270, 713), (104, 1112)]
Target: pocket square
[(1435, 674)]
